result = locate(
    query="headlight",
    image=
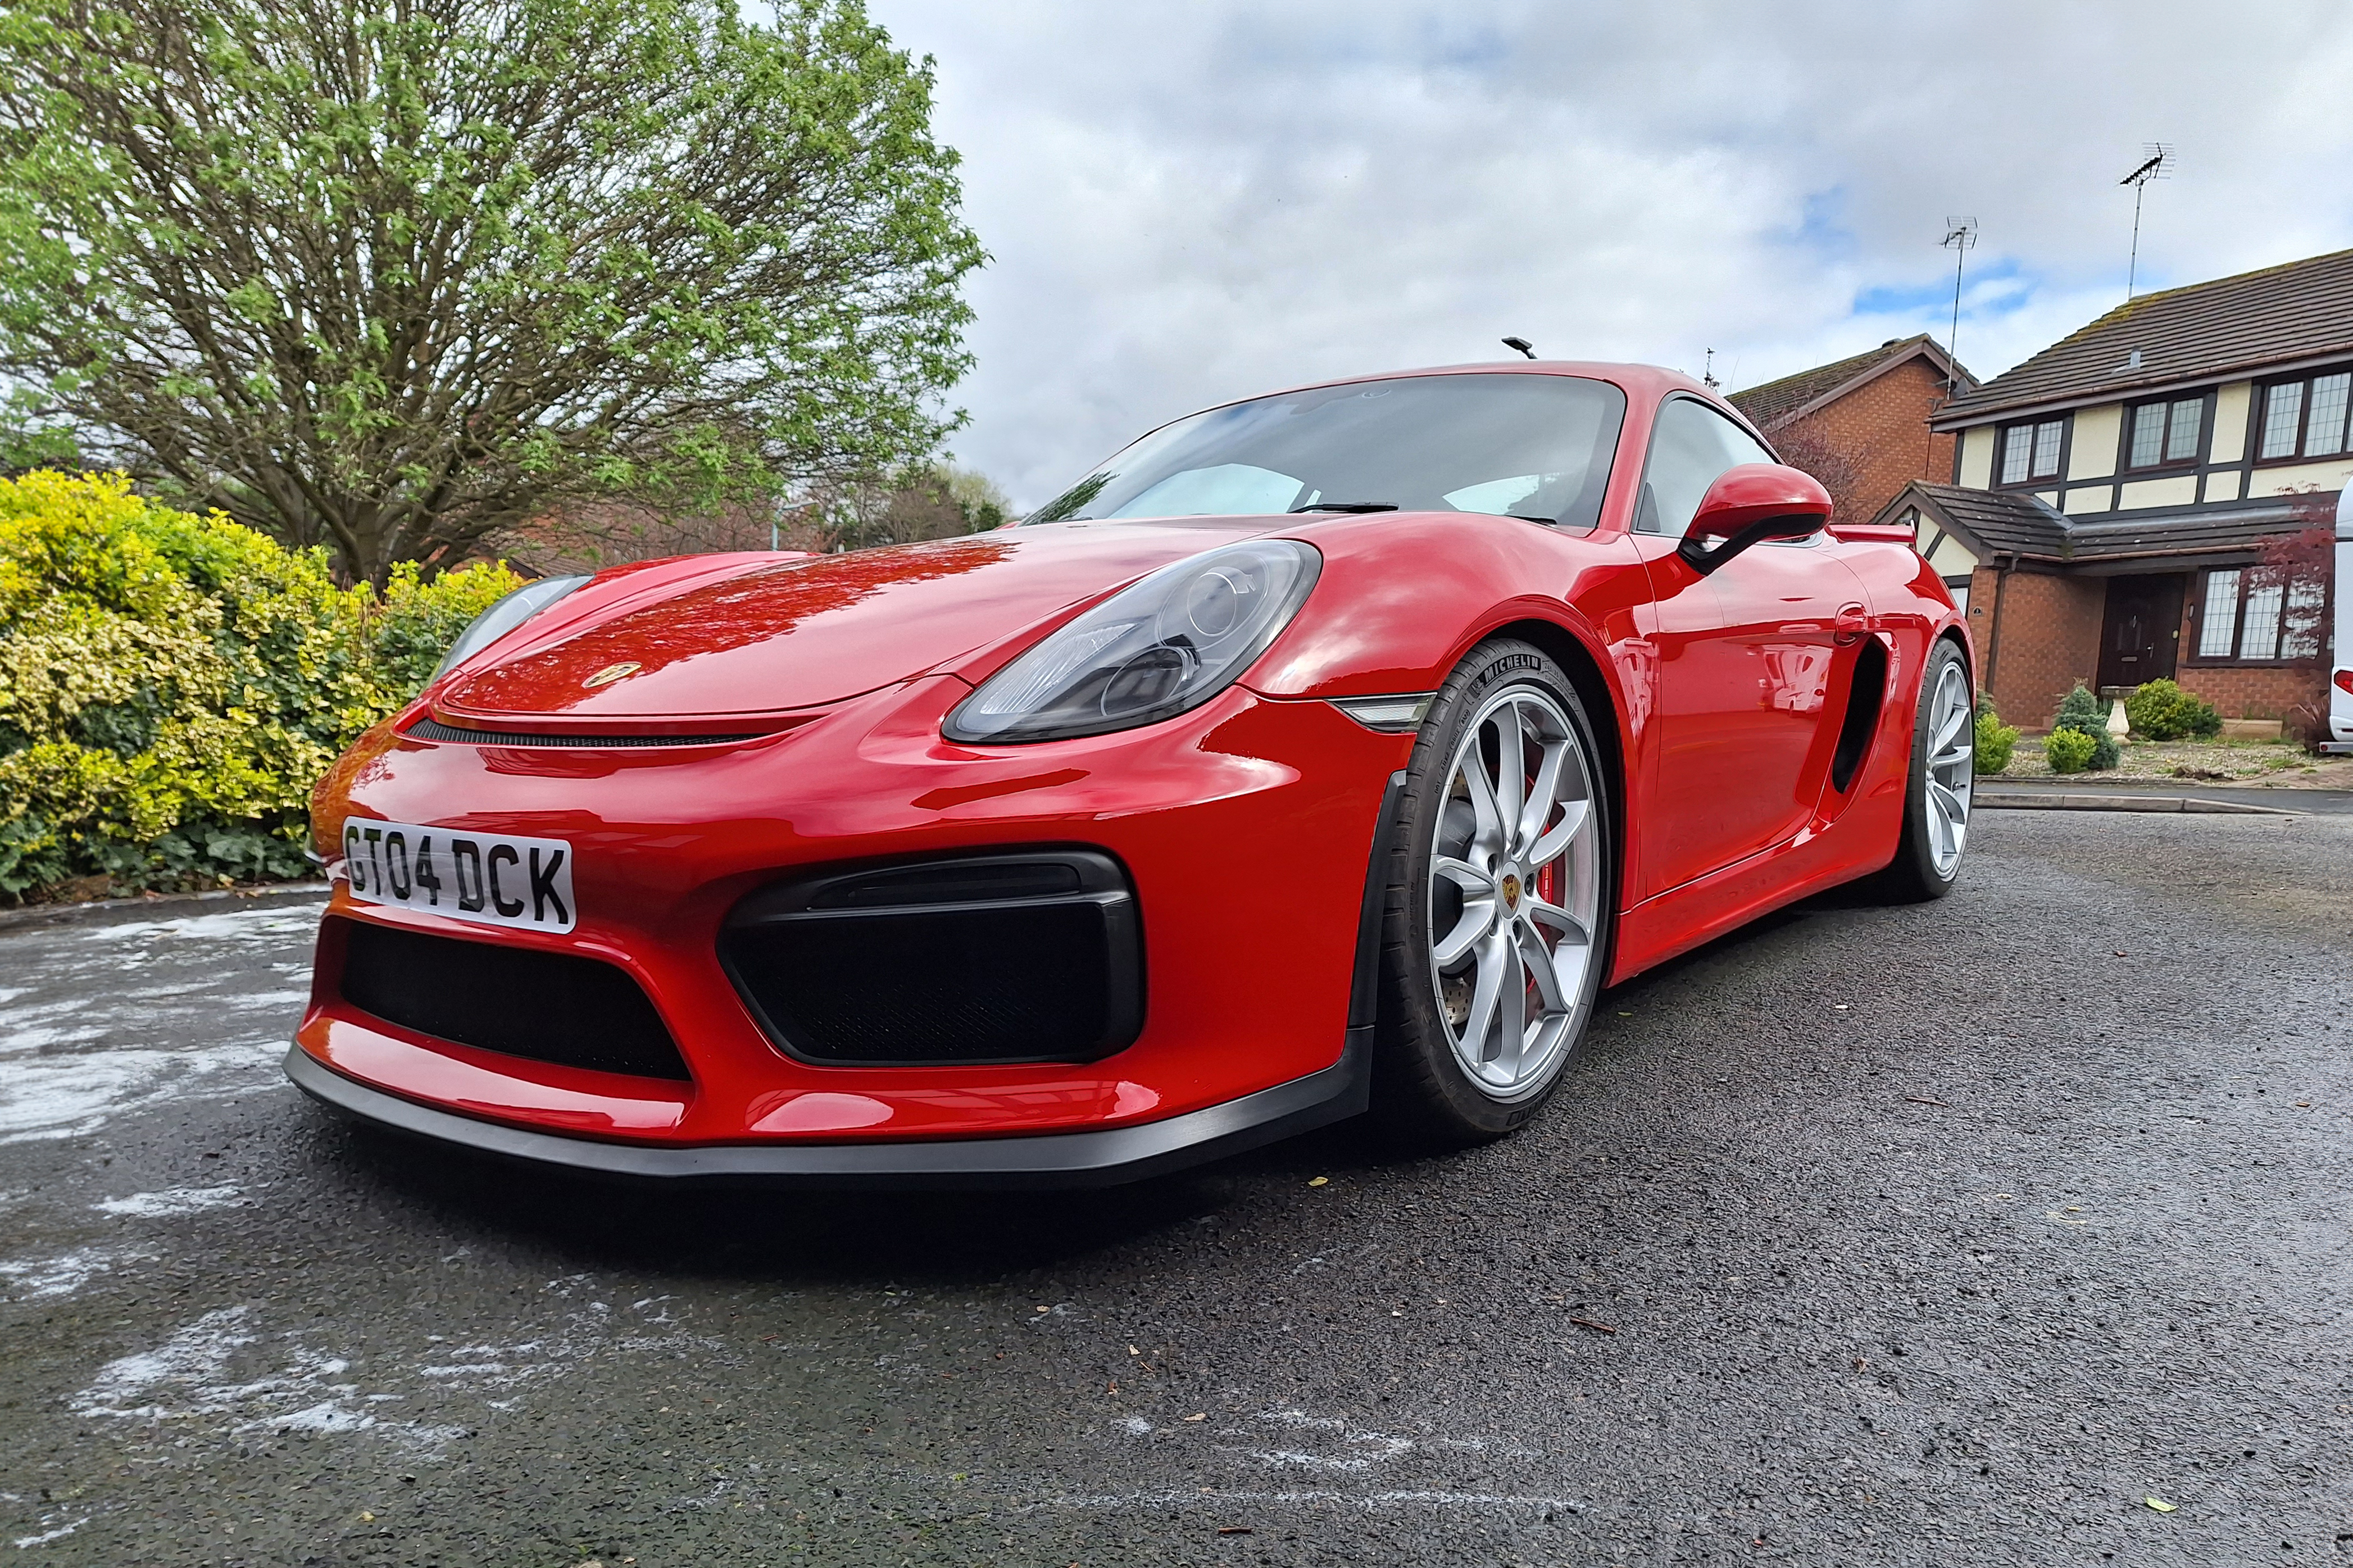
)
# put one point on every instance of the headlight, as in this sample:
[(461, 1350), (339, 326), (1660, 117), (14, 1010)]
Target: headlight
[(503, 617), (1163, 644)]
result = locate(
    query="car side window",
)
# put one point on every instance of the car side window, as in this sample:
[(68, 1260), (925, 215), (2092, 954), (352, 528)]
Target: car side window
[(1691, 445)]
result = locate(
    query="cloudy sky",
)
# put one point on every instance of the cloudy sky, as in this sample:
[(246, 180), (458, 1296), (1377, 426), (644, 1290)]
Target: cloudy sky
[(1187, 203)]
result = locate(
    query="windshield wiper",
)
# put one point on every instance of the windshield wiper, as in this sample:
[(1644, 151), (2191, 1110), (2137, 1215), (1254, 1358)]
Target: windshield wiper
[(1524, 517), (1347, 506)]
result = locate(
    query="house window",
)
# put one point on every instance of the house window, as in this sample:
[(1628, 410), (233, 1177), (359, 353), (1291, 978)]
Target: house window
[(2166, 432), (2030, 452), (2254, 616), (2304, 418)]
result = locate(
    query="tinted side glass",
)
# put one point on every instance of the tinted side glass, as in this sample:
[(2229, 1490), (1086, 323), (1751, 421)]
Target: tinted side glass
[(1690, 445)]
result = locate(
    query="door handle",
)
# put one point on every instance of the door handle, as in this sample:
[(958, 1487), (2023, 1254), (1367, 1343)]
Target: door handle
[(1850, 625)]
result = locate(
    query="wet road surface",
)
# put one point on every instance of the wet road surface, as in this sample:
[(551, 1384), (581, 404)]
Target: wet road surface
[(1952, 1234)]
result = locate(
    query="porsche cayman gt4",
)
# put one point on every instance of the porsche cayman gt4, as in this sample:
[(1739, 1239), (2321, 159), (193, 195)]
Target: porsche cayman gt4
[(1321, 752)]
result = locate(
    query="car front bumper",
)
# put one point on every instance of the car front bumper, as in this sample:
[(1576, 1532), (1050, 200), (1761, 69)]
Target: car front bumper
[(1252, 1030)]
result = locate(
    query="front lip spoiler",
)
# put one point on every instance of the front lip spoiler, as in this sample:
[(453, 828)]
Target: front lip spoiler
[(1100, 1159)]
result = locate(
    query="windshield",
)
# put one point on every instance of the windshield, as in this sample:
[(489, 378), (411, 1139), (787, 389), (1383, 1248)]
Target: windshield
[(1523, 445)]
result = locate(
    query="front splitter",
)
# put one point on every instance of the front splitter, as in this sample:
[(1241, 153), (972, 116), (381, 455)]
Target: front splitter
[(1099, 1159)]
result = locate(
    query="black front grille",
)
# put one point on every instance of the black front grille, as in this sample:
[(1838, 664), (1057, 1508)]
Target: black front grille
[(433, 730), (548, 1007), (1032, 956)]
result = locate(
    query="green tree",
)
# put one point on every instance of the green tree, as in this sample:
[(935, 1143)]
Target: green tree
[(388, 275)]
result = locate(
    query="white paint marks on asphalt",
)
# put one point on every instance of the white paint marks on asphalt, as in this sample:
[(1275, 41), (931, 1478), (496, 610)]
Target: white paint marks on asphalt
[(32, 1278), (1222, 1501), (60, 1533), (258, 1001), (1347, 1448), (226, 1371), (175, 1201), (236, 925), (70, 1096), (207, 1015), (188, 1368), (196, 1373)]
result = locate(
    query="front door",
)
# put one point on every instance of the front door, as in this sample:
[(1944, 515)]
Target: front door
[(1743, 725), (2140, 633), (1746, 723)]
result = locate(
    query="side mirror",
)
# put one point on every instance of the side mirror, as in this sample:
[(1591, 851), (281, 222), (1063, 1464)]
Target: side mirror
[(1748, 504)]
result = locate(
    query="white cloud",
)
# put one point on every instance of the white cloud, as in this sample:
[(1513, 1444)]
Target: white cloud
[(1188, 203)]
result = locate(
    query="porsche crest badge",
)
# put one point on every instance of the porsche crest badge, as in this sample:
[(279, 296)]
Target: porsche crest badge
[(613, 672)]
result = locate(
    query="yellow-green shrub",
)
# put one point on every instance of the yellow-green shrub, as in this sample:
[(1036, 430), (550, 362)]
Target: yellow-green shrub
[(2069, 750), (171, 684)]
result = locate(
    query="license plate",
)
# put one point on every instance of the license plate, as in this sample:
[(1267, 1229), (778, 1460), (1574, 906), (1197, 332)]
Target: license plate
[(493, 877)]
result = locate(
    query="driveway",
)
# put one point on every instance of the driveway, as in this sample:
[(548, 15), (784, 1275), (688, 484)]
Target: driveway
[(1961, 1234)]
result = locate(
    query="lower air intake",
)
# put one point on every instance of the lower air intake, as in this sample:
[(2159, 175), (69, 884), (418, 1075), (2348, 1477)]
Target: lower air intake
[(546, 1006), (1035, 956)]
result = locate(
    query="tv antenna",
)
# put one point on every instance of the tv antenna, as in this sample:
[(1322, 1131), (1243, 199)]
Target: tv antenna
[(1707, 375), (2157, 165), (1961, 238)]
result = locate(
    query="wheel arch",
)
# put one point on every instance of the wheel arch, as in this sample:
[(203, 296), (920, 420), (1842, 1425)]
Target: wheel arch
[(1954, 634), (1593, 688)]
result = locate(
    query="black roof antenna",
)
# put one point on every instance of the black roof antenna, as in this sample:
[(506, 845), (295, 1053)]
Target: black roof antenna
[(1522, 345)]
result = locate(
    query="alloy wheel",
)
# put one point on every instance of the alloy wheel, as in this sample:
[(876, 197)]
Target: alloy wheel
[(1952, 767), (1514, 892)]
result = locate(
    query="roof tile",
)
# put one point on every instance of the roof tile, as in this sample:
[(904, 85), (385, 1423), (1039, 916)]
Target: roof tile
[(2298, 311), (1775, 400)]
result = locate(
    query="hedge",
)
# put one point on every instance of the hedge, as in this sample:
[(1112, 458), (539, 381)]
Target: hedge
[(171, 684)]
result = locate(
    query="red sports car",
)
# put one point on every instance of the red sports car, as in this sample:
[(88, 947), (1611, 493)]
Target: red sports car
[(1320, 753)]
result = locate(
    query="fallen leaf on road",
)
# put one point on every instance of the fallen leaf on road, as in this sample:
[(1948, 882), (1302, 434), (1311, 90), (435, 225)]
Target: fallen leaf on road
[(1590, 1323), (2159, 1504), (1319, 1181), (1233, 1529), (1916, 1100), (1204, 1415)]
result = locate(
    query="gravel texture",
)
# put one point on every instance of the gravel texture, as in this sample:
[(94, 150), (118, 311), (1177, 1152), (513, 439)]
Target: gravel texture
[(1954, 1234), (2256, 764)]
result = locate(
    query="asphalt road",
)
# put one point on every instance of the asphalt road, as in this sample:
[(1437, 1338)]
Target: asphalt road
[(1948, 1235)]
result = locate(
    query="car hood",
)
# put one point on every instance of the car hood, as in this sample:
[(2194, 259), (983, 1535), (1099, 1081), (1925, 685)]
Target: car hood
[(784, 635)]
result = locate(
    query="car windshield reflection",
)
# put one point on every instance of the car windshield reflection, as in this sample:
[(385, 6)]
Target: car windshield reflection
[(1513, 444)]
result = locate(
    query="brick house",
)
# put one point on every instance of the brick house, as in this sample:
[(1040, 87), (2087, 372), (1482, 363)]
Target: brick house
[(1860, 424), (2111, 498)]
